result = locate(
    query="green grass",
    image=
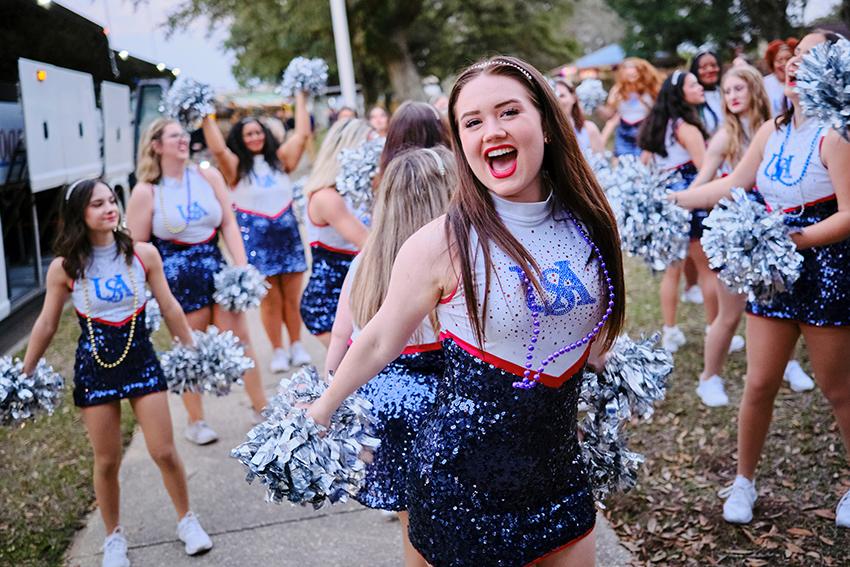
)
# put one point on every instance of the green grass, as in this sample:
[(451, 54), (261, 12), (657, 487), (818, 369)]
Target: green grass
[(674, 516), (46, 471)]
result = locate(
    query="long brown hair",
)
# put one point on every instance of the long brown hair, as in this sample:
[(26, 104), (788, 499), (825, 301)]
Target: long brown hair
[(72, 238), (414, 190), (414, 125), (572, 183), (648, 82), (576, 113), (757, 112)]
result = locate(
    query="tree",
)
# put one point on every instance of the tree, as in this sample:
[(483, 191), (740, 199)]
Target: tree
[(394, 42)]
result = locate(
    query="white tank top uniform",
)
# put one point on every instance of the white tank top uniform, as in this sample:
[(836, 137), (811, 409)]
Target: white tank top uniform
[(793, 178), (679, 160), (264, 191), (635, 108), (776, 94), (713, 119), (110, 302)]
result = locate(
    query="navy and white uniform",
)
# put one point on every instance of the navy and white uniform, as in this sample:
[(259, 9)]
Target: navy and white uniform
[(263, 204), (402, 394), (632, 113), (711, 112), (679, 160), (186, 234), (821, 295), (332, 255), (109, 289), (497, 475)]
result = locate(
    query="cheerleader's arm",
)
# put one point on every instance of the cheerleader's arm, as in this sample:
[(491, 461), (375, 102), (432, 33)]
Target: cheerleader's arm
[(225, 159), (835, 154), (342, 329), (229, 228), (289, 153), (596, 144), (331, 209), (713, 158), (140, 212), (171, 311), (58, 290)]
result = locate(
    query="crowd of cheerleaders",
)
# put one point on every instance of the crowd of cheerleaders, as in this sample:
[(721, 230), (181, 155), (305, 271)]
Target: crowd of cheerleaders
[(479, 450)]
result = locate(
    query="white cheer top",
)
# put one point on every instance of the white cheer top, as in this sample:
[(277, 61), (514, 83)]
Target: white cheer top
[(677, 155), (575, 296), (265, 191), (776, 94), (191, 209), (714, 101), (325, 236), (779, 174), (107, 283), (635, 108)]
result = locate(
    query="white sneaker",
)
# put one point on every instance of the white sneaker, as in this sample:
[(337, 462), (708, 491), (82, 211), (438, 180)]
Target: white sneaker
[(737, 344), (842, 512), (115, 550), (191, 533), (741, 496), (300, 356), (712, 393), (200, 433), (280, 360), (797, 377), (693, 295), (672, 338)]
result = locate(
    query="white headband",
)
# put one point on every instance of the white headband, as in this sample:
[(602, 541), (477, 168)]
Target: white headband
[(74, 186), (676, 75), (484, 64), (441, 167)]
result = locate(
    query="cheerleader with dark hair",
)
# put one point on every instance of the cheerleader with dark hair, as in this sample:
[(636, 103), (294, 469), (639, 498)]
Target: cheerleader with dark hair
[(105, 274), (587, 133), (706, 68)]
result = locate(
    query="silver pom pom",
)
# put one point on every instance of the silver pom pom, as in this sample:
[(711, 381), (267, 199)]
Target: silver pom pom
[(239, 288), (651, 226), (24, 397), (751, 247), (188, 101), (823, 81), (299, 200), (634, 379), (302, 74), (357, 167), (291, 457), (153, 315), (590, 94), (213, 365)]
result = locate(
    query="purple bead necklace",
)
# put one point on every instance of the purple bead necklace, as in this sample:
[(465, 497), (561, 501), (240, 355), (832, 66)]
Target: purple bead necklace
[(532, 377)]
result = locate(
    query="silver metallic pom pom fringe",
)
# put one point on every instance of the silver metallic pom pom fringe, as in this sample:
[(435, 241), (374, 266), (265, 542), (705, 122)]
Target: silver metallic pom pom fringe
[(294, 460), (302, 74), (357, 168), (240, 288), (215, 363), (153, 315), (299, 200), (751, 248), (591, 94), (823, 82), (25, 397), (188, 101)]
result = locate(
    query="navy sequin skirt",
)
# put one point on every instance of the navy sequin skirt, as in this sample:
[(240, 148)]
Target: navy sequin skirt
[(625, 139), (190, 270), (497, 477), (139, 374), (821, 296), (273, 245), (320, 297), (402, 394), (688, 173)]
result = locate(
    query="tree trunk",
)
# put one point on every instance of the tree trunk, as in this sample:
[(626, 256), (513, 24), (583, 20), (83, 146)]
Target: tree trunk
[(404, 77)]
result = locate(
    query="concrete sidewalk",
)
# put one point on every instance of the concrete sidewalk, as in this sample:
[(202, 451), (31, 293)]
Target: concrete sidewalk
[(245, 529)]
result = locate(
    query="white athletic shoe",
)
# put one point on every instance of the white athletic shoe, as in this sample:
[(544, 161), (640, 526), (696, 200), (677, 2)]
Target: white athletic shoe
[(115, 550), (842, 512), (740, 498), (797, 377), (280, 360), (693, 295), (191, 533), (300, 356), (672, 338), (200, 433), (737, 344), (712, 393)]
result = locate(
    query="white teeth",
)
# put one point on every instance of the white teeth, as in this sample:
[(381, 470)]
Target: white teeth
[(499, 152)]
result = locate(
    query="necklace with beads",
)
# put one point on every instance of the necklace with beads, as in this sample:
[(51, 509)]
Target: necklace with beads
[(87, 303), (168, 226), (532, 377), (777, 165)]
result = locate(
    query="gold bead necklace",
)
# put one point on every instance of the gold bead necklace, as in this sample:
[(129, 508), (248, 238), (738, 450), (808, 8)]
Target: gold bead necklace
[(110, 365)]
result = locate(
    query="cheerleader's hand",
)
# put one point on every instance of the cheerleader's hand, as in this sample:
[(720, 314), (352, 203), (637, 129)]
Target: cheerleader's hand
[(320, 416), (686, 199)]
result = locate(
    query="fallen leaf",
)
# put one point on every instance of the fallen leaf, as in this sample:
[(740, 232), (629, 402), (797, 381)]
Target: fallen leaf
[(825, 513), (802, 532)]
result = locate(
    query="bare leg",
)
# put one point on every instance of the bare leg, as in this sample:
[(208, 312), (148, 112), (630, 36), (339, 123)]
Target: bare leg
[(192, 401), (730, 307), (155, 420), (325, 339), (670, 294), (270, 312), (707, 280), (691, 274), (291, 287), (580, 554), (103, 424), (769, 342), (412, 558), (253, 382)]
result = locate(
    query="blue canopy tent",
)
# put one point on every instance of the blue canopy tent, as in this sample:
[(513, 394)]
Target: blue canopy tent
[(608, 56)]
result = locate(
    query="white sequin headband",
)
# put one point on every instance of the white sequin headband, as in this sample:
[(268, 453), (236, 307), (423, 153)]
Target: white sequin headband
[(441, 167), (74, 186), (484, 64), (675, 79)]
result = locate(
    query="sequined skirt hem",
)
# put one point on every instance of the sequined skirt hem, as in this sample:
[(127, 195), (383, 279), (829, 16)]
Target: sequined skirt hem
[(320, 297), (273, 245)]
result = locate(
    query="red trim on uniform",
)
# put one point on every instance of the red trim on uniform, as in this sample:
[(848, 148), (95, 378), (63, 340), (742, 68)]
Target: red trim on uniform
[(563, 547), (113, 323), (264, 215), (317, 244), (508, 366), (139, 258), (678, 166), (632, 123), (449, 297), (809, 204), (428, 347), (181, 243)]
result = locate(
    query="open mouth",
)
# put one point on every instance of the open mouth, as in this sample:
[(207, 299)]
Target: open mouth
[(502, 161)]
